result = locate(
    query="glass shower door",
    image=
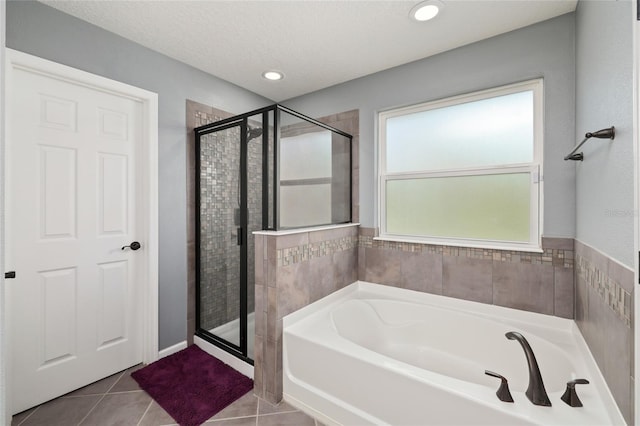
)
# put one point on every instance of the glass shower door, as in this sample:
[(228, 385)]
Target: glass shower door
[(268, 169), (222, 252)]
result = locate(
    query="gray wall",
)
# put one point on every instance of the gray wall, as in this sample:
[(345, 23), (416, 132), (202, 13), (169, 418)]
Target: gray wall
[(542, 50), (605, 192), (43, 31), (604, 97)]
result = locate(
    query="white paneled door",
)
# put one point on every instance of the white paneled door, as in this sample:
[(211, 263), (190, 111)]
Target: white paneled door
[(74, 186)]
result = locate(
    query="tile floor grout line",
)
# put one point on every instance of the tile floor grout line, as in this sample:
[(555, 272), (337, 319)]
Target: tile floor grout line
[(280, 412), (116, 381), (79, 396), (100, 400), (212, 420), (221, 421), (145, 412), (29, 415), (257, 410), (127, 391), (91, 410), (103, 396)]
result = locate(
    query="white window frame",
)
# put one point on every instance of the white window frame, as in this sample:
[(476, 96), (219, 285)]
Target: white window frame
[(535, 168)]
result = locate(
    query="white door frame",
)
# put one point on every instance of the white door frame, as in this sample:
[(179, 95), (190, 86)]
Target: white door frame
[(149, 233), (636, 204), (5, 417)]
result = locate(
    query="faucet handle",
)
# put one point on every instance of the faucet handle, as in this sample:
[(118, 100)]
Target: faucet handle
[(503, 391), (570, 396)]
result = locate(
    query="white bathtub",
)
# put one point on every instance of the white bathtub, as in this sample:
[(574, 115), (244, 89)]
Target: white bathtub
[(372, 354)]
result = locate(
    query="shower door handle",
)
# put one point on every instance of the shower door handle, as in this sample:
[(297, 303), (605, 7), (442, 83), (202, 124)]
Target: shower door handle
[(239, 234)]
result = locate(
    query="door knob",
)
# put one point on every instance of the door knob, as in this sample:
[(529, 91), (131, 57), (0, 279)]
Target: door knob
[(133, 246)]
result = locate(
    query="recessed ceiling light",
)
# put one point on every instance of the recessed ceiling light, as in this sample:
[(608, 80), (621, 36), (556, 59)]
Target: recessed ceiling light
[(426, 10), (273, 75)]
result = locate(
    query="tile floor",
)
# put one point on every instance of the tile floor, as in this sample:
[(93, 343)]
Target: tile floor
[(118, 400)]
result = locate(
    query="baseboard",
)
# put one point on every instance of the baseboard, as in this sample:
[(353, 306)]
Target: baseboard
[(224, 356), (172, 349)]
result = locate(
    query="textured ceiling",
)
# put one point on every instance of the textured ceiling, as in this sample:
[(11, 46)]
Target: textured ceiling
[(315, 43)]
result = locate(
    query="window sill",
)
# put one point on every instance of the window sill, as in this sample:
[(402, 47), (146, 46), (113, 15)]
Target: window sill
[(465, 244)]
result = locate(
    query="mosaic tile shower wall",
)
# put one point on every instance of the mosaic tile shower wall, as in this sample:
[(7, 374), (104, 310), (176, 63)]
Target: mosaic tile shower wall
[(219, 252), (219, 210)]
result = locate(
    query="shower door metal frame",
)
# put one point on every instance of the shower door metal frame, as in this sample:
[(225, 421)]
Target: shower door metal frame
[(240, 350), (241, 120)]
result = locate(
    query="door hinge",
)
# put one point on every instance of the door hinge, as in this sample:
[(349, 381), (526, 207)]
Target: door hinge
[(10, 274), (239, 236)]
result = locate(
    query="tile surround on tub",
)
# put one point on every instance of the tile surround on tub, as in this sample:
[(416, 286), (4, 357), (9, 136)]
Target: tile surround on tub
[(293, 270), (557, 253), (292, 255), (538, 282), (599, 296), (604, 313), (467, 278), (612, 293), (528, 287)]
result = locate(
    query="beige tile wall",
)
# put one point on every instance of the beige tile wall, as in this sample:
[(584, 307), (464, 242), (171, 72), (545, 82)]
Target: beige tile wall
[(537, 282), (293, 271), (349, 122), (604, 314)]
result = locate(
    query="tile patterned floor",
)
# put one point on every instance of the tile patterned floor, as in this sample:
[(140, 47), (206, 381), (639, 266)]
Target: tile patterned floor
[(118, 400)]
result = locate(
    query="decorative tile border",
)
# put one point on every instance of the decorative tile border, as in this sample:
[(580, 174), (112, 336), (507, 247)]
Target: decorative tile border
[(305, 252), (555, 257), (613, 294), (292, 255)]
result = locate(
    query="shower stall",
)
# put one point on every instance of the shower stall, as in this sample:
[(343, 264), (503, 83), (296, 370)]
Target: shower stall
[(270, 169)]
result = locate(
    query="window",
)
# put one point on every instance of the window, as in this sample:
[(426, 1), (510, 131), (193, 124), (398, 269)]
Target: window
[(464, 171)]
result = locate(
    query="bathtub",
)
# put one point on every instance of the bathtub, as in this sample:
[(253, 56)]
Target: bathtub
[(373, 354)]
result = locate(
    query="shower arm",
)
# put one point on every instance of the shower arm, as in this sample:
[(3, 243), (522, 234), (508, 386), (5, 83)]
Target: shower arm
[(608, 133)]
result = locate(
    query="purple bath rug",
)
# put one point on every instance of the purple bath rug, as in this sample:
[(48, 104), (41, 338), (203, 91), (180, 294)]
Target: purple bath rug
[(191, 385)]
